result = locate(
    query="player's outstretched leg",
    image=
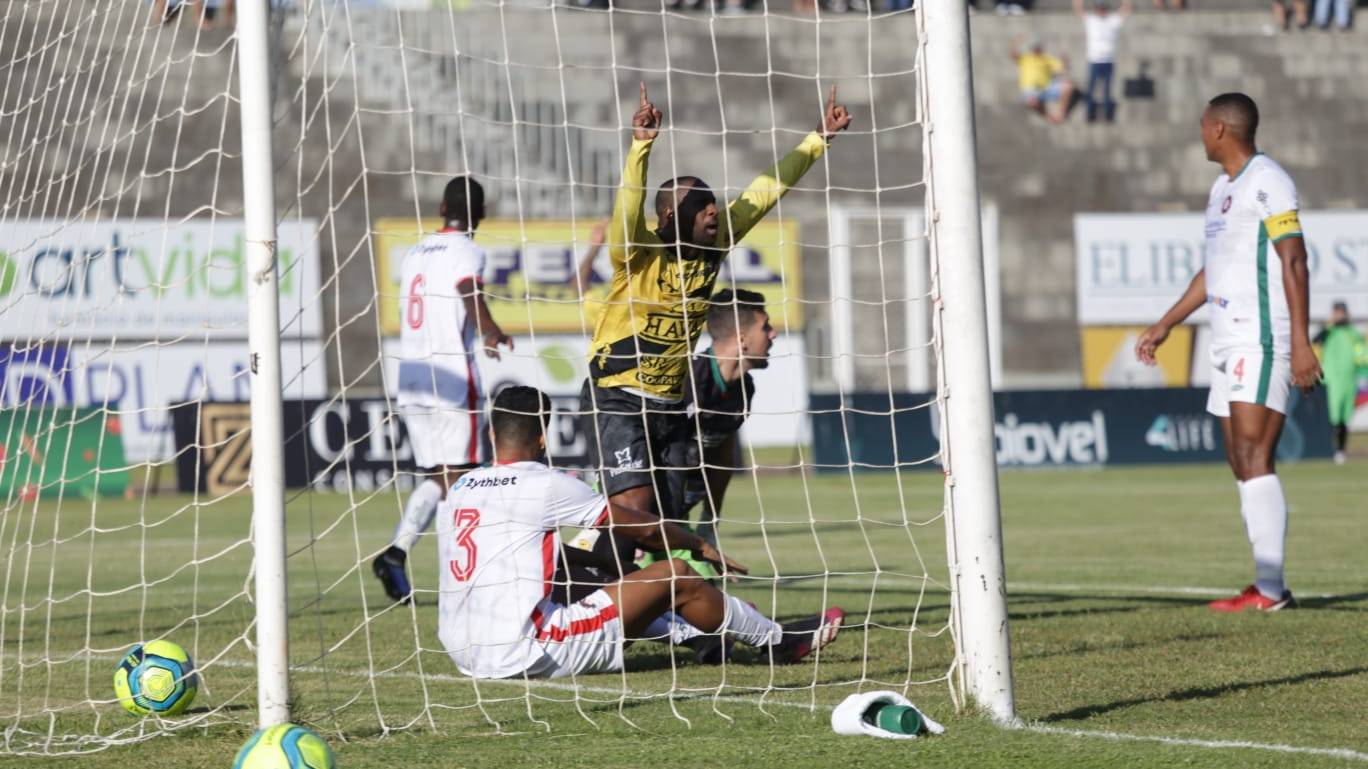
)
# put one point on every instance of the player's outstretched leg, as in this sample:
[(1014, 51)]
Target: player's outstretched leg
[(419, 510), (673, 585), (1253, 436)]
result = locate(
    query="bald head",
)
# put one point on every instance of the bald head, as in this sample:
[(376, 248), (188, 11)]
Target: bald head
[(1238, 113), (673, 192), (686, 211)]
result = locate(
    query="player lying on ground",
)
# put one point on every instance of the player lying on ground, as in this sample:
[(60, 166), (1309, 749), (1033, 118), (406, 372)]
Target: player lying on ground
[(1260, 333), (444, 320), (634, 400), (498, 544)]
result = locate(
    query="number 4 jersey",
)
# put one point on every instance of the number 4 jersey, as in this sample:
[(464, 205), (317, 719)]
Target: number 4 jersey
[(1245, 216), (497, 537)]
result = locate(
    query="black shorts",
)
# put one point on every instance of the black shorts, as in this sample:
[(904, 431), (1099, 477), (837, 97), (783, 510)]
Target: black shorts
[(634, 442)]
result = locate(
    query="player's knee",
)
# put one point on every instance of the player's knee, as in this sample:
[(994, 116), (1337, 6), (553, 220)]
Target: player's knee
[(686, 579), (1252, 460)]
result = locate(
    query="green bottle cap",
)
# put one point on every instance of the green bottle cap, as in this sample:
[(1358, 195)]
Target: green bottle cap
[(899, 719)]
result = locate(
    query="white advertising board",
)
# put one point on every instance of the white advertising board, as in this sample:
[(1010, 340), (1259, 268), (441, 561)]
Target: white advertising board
[(1132, 267), (139, 382), (146, 279)]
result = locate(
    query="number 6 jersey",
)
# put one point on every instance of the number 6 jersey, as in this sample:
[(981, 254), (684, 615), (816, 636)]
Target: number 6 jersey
[(497, 545)]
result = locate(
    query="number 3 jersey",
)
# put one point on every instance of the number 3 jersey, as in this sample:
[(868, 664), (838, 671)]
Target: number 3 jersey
[(1245, 216), (437, 338), (497, 542)]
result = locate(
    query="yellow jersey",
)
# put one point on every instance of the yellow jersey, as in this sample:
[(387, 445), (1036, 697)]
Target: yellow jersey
[(1036, 70), (657, 301)]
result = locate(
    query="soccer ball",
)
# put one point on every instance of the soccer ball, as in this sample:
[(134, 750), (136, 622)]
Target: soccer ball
[(156, 677), (285, 746)]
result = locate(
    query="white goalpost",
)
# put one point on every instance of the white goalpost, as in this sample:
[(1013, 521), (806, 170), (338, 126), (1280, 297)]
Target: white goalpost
[(968, 450), (202, 222)]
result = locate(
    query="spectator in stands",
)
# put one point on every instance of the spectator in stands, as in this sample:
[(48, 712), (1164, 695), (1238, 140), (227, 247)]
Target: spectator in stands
[(1101, 28), (1173, 5), (204, 12), (1044, 81), (1280, 19), (1341, 8)]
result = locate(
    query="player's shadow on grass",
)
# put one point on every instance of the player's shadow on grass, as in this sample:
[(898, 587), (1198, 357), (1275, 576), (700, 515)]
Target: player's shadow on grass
[(1202, 693), (1335, 602), (1020, 605)]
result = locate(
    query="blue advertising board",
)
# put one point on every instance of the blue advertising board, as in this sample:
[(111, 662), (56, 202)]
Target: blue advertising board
[(1046, 428)]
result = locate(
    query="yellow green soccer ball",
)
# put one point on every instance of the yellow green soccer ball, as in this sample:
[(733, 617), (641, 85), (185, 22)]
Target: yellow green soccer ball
[(285, 746), (156, 677)]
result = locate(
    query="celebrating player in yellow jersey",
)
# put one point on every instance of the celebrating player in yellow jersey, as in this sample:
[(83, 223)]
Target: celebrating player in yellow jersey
[(634, 400)]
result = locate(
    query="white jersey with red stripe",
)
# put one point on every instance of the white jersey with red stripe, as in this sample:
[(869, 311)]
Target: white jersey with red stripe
[(497, 536), (1245, 216), (437, 336)]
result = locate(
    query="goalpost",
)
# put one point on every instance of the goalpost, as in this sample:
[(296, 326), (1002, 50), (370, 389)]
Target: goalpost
[(195, 217)]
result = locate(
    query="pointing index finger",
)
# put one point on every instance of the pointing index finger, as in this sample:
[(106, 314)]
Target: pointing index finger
[(831, 97), (643, 92)]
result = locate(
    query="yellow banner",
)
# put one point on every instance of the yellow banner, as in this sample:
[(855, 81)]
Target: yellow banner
[(530, 272), (1109, 358)]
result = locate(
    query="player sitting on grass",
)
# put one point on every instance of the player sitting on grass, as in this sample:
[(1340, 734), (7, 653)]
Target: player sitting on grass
[(499, 546)]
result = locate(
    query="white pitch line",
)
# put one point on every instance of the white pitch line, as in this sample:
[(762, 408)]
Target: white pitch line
[(1151, 589), (1273, 747), (1074, 587)]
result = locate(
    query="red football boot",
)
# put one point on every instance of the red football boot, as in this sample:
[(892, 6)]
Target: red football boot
[(1251, 599)]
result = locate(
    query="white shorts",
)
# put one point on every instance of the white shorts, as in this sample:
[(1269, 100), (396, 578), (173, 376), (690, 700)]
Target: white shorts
[(582, 638), (444, 434), (1248, 375)]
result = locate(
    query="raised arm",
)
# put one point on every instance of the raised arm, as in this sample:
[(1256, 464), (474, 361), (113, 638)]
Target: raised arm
[(763, 193), (1125, 9), (1193, 298), (627, 227), (1078, 8)]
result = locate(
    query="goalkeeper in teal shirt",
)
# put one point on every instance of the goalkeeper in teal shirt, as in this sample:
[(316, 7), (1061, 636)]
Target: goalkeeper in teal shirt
[(1343, 355)]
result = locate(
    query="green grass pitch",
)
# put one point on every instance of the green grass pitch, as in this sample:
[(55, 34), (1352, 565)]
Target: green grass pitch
[(1108, 574)]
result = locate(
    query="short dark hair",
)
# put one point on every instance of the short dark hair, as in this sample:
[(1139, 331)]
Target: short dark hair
[(1238, 112), (728, 307), (464, 200), (520, 416)]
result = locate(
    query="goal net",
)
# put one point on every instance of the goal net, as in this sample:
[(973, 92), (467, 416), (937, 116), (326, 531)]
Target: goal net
[(125, 462)]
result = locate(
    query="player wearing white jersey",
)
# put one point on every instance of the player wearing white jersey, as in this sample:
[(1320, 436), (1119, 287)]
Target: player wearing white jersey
[(499, 548), (1261, 338), (444, 317)]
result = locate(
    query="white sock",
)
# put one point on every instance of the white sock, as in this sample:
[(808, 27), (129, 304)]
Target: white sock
[(749, 625), (671, 627), (1265, 512), (419, 511)]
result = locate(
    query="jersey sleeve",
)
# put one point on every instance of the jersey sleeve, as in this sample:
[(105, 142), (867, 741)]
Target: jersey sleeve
[(627, 230), (1275, 197), (763, 193), (467, 264), (570, 502)]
